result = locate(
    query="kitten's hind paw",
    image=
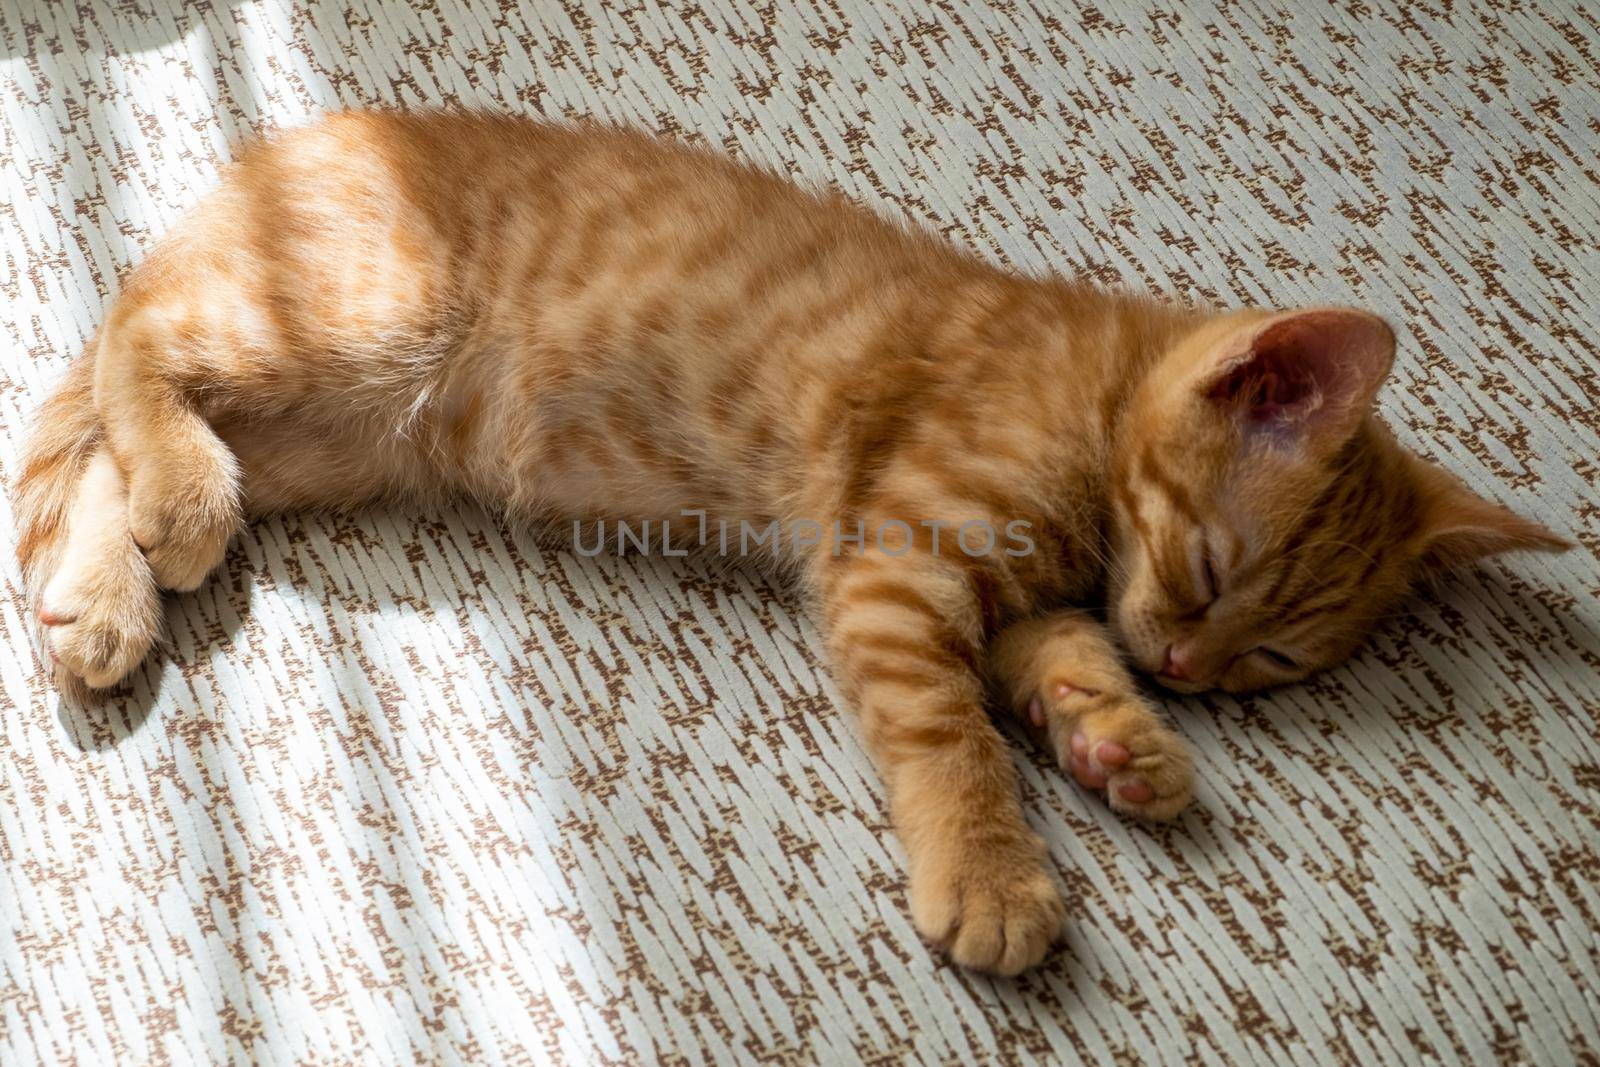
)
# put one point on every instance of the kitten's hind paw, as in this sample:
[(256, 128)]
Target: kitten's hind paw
[(100, 616), (183, 519)]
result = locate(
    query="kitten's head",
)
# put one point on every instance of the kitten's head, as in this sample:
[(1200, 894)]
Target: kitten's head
[(1263, 519)]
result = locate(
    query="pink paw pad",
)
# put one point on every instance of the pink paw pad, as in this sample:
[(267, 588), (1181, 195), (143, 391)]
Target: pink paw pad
[(1088, 772), (1088, 775), (1093, 764), (1111, 754), (1135, 792)]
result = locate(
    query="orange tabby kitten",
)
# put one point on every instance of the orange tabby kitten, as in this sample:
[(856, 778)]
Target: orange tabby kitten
[(584, 323)]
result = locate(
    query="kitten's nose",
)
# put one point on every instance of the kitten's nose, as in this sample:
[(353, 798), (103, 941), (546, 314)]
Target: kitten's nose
[(1176, 664)]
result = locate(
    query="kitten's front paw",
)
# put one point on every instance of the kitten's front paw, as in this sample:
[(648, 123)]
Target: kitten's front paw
[(1118, 744), (993, 907)]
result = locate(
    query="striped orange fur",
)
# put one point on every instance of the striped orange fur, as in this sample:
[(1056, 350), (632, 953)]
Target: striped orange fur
[(584, 323)]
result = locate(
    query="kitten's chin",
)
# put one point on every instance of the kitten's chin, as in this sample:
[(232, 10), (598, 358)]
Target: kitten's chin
[(1178, 685)]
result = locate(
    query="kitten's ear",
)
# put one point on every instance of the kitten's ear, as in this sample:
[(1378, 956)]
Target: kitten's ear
[(1302, 374), (1458, 527)]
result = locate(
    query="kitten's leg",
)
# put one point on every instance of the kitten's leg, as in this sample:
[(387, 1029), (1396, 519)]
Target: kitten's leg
[(183, 482), (100, 609), (905, 634), (1061, 674)]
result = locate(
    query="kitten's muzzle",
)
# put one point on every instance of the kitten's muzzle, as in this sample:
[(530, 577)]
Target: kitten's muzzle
[(1176, 664), (1178, 671)]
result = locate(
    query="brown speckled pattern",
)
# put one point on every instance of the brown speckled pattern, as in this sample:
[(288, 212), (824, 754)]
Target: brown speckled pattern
[(412, 788)]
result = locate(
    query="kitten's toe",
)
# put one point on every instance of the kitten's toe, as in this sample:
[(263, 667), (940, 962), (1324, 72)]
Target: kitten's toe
[(1093, 765), (1088, 773), (1135, 791)]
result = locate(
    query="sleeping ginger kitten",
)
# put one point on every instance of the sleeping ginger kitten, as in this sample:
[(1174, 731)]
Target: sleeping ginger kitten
[(583, 323)]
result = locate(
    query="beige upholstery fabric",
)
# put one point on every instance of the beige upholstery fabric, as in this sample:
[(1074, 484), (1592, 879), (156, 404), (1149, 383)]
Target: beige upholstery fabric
[(411, 788)]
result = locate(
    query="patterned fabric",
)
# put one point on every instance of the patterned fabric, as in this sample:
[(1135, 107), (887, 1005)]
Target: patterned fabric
[(415, 788)]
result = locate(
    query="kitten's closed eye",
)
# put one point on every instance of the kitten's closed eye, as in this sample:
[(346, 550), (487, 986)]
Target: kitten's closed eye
[(1276, 658), (1208, 570), (1207, 586)]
